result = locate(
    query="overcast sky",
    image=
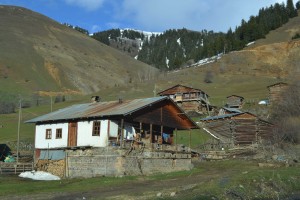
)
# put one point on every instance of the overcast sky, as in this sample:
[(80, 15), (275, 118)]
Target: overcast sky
[(147, 15)]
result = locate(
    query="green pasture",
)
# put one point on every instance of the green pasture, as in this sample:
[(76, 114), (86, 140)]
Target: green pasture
[(216, 179)]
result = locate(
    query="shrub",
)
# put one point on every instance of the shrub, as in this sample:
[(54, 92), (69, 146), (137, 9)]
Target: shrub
[(285, 115), (296, 36), (7, 107), (208, 77)]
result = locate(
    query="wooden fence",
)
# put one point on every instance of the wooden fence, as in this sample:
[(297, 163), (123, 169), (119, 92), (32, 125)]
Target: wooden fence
[(15, 168)]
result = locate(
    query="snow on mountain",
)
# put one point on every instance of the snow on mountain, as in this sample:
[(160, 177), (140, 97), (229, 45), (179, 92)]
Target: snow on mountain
[(207, 60), (167, 62), (147, 34), (178, 41)]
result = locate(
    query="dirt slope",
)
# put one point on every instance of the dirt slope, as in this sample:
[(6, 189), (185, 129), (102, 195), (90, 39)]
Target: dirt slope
[(38, 53)]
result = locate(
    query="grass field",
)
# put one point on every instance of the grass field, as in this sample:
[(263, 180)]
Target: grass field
[(223, 85), (228, 179)]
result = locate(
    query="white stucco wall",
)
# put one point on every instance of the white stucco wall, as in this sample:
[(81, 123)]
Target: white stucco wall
[(129, 131), (113, 130), (84, 134), (40, 136), (86, 138)]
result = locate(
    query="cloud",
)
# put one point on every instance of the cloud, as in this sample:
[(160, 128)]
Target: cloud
[(89, 5), (95, 28), (113, 25), (160, 15)]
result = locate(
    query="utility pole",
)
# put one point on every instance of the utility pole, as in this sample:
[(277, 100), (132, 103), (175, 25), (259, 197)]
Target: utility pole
[(51, 103), (154, 91), (19, 123)]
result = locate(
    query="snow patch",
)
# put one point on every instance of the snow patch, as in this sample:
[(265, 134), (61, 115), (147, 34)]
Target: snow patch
[(263, 102), (167, 62), (207, 60), (39, 175), (250, 43), (178, 41)]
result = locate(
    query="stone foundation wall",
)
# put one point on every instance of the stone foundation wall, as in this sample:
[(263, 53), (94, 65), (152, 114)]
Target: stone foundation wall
[(116, 162)]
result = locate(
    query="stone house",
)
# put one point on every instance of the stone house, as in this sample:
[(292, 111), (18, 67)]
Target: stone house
[(101, 138)]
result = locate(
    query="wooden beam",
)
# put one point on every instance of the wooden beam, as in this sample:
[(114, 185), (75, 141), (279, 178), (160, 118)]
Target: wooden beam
[(122, 133), (151, 135), (161, 135), (140, 127), (190, 139), (176, 139)]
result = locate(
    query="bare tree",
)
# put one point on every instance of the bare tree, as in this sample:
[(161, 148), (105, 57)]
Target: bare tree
[(285, 114), (208, 77)]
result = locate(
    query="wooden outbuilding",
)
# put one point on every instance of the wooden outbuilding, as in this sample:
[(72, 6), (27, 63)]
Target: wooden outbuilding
[(238, 128), (188, 98), (234, 101), (225, 111), (275, 92)]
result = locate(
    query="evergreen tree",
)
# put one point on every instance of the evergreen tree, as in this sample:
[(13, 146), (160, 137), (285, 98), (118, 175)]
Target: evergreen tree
[(298, 5), (178, 46), (292, 12)]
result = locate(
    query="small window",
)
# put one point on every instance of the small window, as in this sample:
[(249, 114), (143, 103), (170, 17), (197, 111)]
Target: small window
[(96, 128), (58, 133), (48, 133)]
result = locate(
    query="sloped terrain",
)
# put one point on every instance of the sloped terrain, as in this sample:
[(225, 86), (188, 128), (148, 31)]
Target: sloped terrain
[(39, 54)]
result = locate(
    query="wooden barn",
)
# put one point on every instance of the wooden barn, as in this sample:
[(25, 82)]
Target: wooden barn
[(234, 101), (238, 128), (275, 91), (188, 98)]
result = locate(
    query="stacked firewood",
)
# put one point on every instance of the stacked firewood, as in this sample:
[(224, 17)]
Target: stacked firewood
[(55, 167)]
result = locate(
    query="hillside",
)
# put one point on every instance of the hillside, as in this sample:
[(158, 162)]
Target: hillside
[(246, 73), (178, 48), (249, 71), (39, 54)]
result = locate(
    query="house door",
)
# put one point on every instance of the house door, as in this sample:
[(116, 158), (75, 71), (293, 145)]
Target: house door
[(72, 135)]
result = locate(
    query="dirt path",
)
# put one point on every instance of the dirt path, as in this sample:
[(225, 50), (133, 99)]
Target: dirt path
[(142, 189), (136, 189)]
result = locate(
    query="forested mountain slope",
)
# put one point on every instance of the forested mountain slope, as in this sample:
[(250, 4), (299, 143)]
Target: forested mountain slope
[(177, 48)]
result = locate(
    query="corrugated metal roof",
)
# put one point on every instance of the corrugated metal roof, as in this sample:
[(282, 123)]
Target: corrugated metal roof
[(234, 110), (235, 96), (179, 89), (220, 116), (278, 84), (98, 109)]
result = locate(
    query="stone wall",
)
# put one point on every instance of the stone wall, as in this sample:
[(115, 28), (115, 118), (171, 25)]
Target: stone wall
[(115, 162)]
